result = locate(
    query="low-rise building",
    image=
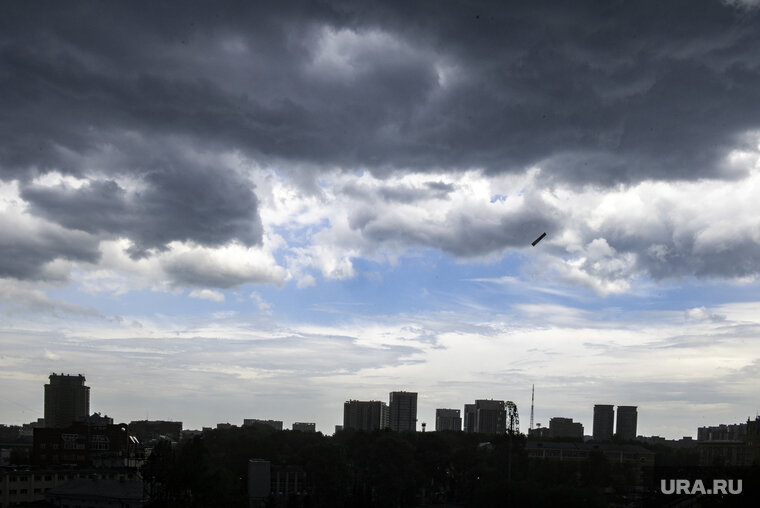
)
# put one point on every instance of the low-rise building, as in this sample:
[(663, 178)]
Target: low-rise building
[(29, 484), (85, 445), (251, 422), (98, 493), (305, 426)]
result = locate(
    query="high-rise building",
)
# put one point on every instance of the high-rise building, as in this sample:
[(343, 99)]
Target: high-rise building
[(627, 417), (67, 400), (448, 419), (469, 417), (490, 416), (604, 417), (486, 416), (565, 427), (365, 415), (402, 411)]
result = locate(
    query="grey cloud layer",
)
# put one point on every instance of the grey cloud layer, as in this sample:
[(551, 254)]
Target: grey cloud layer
[(611, 94), (594, 94), (206, 205)]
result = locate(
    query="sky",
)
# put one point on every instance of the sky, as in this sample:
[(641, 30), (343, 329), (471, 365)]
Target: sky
[(262, 210)]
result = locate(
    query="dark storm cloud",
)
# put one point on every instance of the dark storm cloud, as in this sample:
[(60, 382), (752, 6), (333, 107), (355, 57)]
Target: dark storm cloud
[(594, 94), (597, 93), (464, 232), (189, 203), (26, 250), (398, 193)]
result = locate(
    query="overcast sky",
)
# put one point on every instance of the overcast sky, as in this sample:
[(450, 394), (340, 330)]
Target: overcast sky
[(235, 210)]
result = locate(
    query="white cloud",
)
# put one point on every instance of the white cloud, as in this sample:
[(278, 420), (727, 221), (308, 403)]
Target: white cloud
[(207, 294)]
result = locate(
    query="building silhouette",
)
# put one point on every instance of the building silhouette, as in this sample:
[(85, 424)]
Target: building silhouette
[(627, 417), (469, 417), (305, 426), (151, 430), (565, 427), (604, 417), (67, 400), (252, 422), (731, 432), (448, 419), (365, 415), (402, 411), (85, 444), (486, 416)]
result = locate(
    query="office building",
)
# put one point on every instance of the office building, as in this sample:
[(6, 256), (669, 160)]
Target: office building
[(67, 400), (305, 427), (565, 428), (365, 415), (625, 427), (486, 416), (402, 411), (490, 416), (604, 417), (448, 419)]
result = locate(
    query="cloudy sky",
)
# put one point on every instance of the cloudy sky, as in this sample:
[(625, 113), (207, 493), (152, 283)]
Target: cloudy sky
[(230, 211)]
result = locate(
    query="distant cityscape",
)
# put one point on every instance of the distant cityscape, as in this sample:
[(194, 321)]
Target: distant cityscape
[(69, 435)]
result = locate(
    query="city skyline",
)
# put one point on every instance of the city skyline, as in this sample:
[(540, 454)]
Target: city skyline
[(608, 417), (267, 210)]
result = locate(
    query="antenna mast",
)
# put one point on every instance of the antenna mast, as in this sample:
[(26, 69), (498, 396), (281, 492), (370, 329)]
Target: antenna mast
[(532, 391)]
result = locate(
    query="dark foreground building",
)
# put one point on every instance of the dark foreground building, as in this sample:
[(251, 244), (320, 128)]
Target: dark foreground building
[(67, 400)]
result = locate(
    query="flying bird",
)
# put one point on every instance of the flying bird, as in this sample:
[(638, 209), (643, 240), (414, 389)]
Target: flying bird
[(538, 239)]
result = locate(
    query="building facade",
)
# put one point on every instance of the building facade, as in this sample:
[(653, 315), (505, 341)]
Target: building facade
[(28, 484), (305, 426), (82, 444), (251, 422), (565, 428), (625, 427), (486, 416), (149, 430), (469, 417), (604, 417), (402, 411), (448, 419), (365, 415), (67, 400)]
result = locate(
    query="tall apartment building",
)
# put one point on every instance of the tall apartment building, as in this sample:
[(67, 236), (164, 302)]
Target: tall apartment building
[(469, 417), (604, 417), (448, 419), (365, 415), (402, 411), (625, 427), (486, 416), (565, 427), (67, 400)]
